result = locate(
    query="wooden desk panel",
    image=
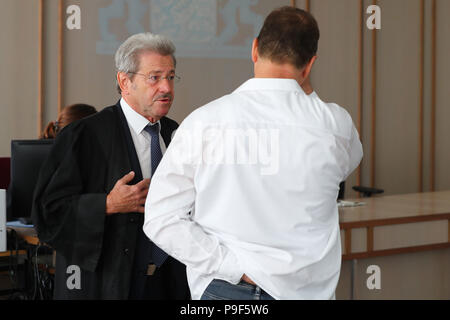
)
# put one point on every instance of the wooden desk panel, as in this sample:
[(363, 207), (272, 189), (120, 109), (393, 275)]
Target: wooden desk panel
[(412, 207), (394, 210), (13, 253)]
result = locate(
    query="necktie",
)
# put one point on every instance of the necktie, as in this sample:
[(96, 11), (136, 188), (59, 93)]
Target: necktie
[(158, 256)]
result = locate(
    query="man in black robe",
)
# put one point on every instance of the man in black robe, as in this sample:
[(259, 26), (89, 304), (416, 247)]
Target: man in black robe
[(89, 200)]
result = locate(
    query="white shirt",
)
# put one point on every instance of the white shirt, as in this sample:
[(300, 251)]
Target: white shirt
[(260, 170), (141, 138)]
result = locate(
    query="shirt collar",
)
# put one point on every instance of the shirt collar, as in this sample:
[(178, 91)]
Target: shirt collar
[(277, 84), (136, 121)]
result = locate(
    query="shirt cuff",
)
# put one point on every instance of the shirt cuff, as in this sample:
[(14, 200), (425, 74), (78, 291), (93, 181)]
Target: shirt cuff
[(230, 269)]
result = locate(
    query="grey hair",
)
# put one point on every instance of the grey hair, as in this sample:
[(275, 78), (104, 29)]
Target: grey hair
[(127, 55)]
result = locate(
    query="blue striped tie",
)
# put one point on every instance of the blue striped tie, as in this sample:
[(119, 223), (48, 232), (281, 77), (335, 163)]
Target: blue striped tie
[(158, 256)]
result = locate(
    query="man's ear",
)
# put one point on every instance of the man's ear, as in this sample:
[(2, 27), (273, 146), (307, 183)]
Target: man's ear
[(255, 50), (307, 69), (123, 81)]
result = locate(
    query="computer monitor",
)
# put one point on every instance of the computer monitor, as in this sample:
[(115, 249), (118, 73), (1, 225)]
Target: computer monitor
[(27, 157)]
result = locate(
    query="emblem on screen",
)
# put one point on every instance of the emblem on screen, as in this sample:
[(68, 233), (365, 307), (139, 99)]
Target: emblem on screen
[(198, 28)]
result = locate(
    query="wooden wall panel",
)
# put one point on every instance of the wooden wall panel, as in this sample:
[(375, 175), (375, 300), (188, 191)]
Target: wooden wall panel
[(442, 96), (373, 104), (433, 67), (335, 73), (432, 173), (421, 94), (50, 60), (398, 94), (40, 99), (61, 25), (429, 99), (359, 123), (19, 74), (366, 130)]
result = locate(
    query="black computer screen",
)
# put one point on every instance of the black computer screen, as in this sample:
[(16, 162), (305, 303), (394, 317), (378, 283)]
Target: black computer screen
[(27, 157)]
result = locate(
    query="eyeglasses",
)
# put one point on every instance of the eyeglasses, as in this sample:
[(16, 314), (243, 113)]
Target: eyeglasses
[(153, 79)]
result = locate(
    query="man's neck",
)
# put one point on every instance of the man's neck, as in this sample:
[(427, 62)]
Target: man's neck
[(267, 69)]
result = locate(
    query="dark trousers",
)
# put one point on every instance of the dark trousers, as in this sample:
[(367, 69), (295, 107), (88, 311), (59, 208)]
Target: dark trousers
[(169, 282)]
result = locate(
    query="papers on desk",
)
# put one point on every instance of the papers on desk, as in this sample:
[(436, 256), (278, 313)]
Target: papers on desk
[(18, 224), (342, 203)]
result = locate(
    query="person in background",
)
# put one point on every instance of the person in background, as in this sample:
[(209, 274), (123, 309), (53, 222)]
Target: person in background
[(250, 180), (68, 115)]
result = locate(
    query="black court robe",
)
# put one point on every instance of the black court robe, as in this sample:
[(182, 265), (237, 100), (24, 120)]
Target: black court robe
[(69, 206)]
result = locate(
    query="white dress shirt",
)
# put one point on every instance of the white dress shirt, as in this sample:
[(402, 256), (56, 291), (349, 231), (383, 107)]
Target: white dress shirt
[(249, 185), (141, 138)]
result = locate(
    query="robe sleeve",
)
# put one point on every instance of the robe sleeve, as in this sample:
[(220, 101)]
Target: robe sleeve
[(69, 203)]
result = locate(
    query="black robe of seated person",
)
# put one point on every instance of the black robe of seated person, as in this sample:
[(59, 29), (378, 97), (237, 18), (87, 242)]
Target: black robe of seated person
[(69, 208)]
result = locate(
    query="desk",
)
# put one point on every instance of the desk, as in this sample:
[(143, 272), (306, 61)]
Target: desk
[(412, 268), (378, 212), (14, 252), (27, 234), (394, 210), (394, 225), (36, 279)]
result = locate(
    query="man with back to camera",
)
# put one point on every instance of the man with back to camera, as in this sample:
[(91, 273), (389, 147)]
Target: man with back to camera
[(250, 180), (89, 201)]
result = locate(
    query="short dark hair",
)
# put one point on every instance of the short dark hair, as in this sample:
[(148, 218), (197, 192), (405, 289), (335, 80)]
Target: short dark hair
[(289, 35)]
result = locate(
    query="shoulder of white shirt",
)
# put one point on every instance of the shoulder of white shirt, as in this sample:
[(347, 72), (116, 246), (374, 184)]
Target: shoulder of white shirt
[(198, 114)]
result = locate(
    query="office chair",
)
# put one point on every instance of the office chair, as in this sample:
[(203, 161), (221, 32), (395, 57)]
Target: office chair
[(366, 191), (5, 172)]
